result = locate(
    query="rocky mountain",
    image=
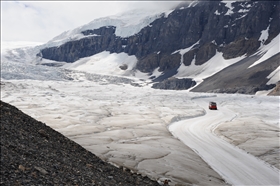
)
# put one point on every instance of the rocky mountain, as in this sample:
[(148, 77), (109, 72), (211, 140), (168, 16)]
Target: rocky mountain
[(193, 34)]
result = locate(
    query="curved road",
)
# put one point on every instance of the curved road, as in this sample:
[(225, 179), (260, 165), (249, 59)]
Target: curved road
[(235, 165)]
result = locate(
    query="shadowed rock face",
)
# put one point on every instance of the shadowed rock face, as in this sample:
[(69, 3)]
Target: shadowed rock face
[(175, 84), (240, 47)]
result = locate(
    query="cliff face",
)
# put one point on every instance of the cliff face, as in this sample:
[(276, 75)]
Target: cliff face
[(233, 29)]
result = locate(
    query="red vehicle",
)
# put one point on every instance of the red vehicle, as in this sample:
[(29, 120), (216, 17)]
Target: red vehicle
[(212, 105)]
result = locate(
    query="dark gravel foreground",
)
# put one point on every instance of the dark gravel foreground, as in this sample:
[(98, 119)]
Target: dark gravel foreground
[(32, 153)]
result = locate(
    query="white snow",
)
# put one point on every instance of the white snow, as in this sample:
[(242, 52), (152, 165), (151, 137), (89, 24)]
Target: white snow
[(268, 50), (228, 4), (166, 14), (156, 73), (274, 76), (241, 17), (243, 11), (200, 72), (264, 35), (193, 3), (105, 63), (248, 6), (217, 13), (185, 50)]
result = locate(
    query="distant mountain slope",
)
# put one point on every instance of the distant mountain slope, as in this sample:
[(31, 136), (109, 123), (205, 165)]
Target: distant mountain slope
[(194, 41)]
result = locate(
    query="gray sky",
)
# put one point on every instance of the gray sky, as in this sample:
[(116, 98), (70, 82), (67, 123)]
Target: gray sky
[(38, 21)]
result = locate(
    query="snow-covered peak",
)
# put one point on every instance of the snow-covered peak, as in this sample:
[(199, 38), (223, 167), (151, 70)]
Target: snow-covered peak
[(127, 24)]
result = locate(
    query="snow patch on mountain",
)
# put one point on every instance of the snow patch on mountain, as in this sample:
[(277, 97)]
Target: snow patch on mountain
[(229, 6), (268, 50), (200, 72), (217, 13), (264, 35), (105, 63), (193, 3), (274, 76), (185, 50)]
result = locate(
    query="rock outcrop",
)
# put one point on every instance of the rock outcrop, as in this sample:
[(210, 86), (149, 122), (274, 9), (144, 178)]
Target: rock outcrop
[(276, 90)]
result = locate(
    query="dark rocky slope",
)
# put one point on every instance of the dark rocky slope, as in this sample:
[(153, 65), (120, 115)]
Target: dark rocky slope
[(238, 78), (34, 154)]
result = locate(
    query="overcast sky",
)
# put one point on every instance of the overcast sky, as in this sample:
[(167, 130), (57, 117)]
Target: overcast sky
[(37, 21)]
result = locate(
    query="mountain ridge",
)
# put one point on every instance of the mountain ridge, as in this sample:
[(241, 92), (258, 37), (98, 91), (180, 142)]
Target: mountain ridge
[(198, 28), (193, 34)]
